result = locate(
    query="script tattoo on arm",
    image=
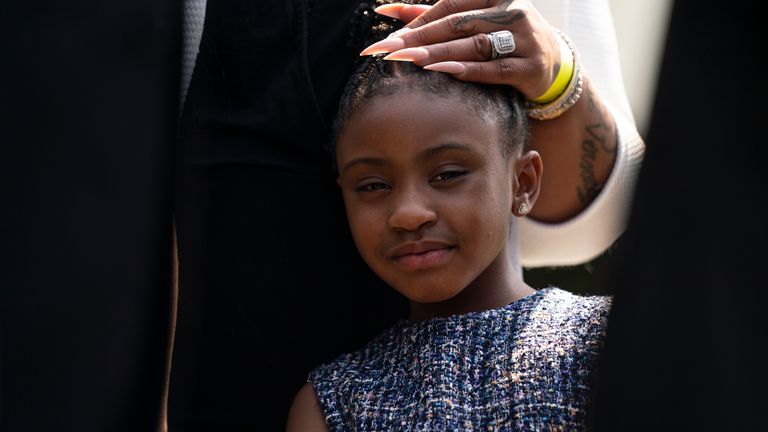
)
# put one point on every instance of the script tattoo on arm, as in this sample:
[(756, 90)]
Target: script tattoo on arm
[(600, 136)]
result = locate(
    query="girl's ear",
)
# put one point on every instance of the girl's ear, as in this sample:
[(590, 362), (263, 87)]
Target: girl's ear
[(528, 169)]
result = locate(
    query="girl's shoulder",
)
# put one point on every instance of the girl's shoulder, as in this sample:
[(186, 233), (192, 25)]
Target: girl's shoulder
[(567, 326), (560, 307), (354, 366)]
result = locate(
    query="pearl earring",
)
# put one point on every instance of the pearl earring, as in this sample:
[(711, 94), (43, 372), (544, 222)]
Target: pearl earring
[(523, 209)]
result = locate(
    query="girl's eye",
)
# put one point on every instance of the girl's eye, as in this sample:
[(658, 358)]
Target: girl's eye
[(448, 175), (372, 187)]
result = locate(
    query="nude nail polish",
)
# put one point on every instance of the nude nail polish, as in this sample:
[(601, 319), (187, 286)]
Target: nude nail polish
[(392, 11), (397, 33), (409, 54), (384, 46), (447, 67)]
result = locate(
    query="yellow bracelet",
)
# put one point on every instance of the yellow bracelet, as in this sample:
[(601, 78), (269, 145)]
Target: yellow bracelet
[(567, 98), (563, 77)]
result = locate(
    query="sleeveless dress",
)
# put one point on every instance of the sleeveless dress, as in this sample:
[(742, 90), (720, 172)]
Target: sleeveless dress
[(525, 366)]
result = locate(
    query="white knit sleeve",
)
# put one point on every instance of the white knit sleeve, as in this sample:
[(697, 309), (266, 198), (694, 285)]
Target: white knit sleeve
[(582, 238)]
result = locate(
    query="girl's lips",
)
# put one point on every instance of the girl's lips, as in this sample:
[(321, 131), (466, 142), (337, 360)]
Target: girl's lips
[(424, 260)]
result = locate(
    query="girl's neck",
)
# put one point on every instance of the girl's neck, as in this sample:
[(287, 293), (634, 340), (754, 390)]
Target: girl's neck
[(496, 287)]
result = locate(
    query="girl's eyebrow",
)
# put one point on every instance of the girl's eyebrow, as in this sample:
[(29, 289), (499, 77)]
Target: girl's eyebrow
[(375, 161), (424, 155), (434, 151)]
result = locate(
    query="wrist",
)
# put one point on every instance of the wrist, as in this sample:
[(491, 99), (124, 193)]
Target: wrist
[(565, 91), (563, 77)]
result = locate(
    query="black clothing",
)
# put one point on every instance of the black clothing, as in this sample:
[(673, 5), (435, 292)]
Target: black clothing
[(271, 284), (685, 344), (89, 109), (267, 82)]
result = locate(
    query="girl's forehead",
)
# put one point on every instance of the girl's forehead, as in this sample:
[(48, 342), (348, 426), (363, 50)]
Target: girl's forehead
[(417, 107), (407, 124)]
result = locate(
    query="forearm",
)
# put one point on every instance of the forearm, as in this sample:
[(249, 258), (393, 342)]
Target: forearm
[(578, 149)]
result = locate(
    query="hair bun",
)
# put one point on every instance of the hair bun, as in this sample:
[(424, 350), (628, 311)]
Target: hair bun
[(366, 26)]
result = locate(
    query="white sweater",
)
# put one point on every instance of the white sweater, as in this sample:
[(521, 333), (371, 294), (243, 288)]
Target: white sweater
[(590, 26)]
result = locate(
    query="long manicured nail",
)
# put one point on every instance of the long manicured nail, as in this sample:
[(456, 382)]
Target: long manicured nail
[(384, 46), (450, 67), (397, 33), (409, 54), (390, 10)]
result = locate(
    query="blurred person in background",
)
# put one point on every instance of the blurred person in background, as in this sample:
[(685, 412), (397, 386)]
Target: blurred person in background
[(687, 331)]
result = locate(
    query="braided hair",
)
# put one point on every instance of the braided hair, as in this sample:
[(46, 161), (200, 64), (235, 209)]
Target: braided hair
[(374, 77)]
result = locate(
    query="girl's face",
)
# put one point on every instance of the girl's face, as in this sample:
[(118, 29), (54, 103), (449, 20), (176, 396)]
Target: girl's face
[(428, 194)]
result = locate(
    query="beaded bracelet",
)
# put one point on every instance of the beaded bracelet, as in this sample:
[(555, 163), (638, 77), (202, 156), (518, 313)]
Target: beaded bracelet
[(567, 98)]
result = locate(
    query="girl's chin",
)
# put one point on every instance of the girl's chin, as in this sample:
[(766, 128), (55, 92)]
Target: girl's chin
[(425, 288), (428, 296)]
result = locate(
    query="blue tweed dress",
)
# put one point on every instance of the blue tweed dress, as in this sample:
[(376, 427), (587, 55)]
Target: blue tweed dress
[(526, 366)]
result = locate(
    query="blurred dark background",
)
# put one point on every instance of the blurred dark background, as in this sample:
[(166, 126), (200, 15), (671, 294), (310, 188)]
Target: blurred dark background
[(686, 337), (587, 278), (88, 108)]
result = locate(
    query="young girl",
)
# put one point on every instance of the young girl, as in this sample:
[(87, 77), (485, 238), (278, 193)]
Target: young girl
[(433, 172)]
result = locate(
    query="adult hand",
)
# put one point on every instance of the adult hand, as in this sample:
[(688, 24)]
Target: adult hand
[(451, 37)]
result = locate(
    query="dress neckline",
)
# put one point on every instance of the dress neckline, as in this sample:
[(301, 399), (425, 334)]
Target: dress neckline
[(406, 324)]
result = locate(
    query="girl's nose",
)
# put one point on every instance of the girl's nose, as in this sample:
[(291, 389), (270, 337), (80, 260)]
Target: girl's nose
[(411, 212)]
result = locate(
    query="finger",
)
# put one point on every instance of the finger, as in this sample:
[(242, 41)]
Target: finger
[(475, 48), (509, 71), (455, 26), (450, 67), (444, 8), (430, 34), (403, 12), (410, 13), (464, 24)]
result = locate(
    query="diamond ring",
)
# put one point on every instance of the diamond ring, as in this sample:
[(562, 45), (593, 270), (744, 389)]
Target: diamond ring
[(502, 43)]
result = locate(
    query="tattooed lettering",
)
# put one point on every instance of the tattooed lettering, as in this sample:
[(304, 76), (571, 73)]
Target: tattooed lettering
[(462, 24), (589, 186), (591, 105), (600, 136), (601, 132)]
